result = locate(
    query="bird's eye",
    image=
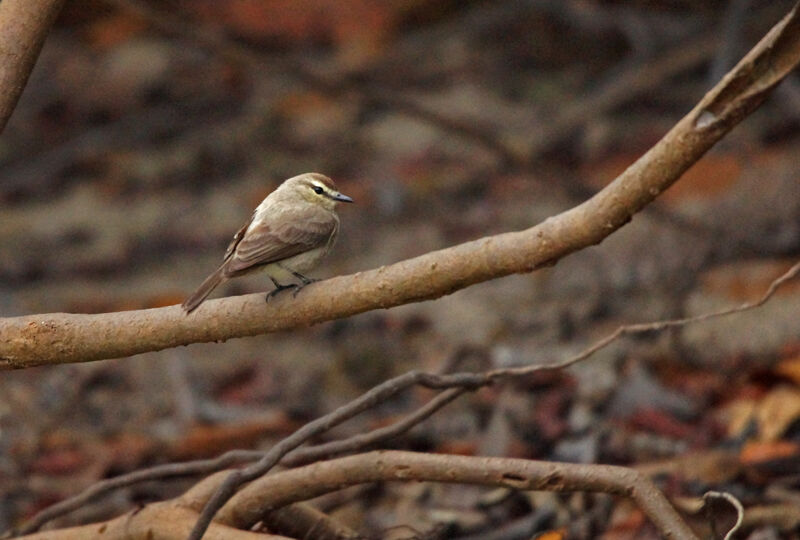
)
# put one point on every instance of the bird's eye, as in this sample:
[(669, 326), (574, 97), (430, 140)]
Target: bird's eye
[(317, 190)]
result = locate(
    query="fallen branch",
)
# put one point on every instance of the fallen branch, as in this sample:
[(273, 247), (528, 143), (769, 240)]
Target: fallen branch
[(166, 521), (233, 457), (277, 490), (301, 520), (64, 338), (159, 472)]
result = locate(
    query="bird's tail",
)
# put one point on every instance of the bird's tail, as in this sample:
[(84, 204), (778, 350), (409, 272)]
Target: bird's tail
[(197, 297)]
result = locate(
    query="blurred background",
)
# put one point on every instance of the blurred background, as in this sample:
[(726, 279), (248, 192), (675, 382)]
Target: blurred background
[(149, 131)]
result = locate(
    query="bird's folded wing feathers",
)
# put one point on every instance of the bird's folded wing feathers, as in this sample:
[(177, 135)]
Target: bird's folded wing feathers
[(266, 243), (237, 238)]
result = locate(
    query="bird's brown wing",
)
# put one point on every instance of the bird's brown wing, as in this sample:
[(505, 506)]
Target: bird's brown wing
[(237, 238), (268, 242)]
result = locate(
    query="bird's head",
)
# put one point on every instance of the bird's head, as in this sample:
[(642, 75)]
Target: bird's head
[(314, 188)]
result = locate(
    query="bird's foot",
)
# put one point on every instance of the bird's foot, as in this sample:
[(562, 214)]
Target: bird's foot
[(279, 288), (303, 282)]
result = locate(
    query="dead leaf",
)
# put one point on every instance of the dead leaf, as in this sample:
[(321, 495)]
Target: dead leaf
[(755, 452), (738, 415), (790, 368), (777, 411)]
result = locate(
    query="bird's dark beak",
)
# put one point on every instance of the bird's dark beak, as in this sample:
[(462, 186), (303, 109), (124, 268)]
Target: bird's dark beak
[(342, 198)]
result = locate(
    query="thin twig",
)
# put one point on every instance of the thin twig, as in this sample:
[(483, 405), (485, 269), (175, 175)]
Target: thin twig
[(159, 472), (715, 495), (373, 397), (642, 328), (361, 441), (163, 521), (228, 459)]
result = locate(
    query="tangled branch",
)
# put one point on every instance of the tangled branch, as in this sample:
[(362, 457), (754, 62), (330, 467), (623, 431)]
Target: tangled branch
[(458, 381), (454, 385)]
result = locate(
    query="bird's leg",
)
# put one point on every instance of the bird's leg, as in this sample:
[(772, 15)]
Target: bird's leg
[(279, 288), (303, 281)]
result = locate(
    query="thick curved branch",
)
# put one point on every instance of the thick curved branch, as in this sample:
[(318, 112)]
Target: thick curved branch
[(166, 521), (23, 26), (173, 519), (277, 490), (63, 338)]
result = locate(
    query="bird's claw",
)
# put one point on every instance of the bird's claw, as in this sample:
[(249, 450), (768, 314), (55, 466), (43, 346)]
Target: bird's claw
[(280, 288), (303, 282)]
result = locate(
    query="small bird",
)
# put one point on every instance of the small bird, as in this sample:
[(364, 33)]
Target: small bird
[(288, 234)]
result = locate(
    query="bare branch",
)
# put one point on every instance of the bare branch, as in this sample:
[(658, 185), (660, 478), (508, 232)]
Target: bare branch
[(301, 520), (159, 472), (167, 521), (23, 27), (271, 493), (373, 397), (642, 328), (276, 490), (64, 338), (206, 466), (365, 440)]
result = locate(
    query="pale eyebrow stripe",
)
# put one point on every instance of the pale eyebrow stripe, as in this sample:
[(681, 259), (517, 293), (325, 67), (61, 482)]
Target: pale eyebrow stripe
[(315, 183)]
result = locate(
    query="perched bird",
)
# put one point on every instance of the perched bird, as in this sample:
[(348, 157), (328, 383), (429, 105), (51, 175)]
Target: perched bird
[(288, 234)]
